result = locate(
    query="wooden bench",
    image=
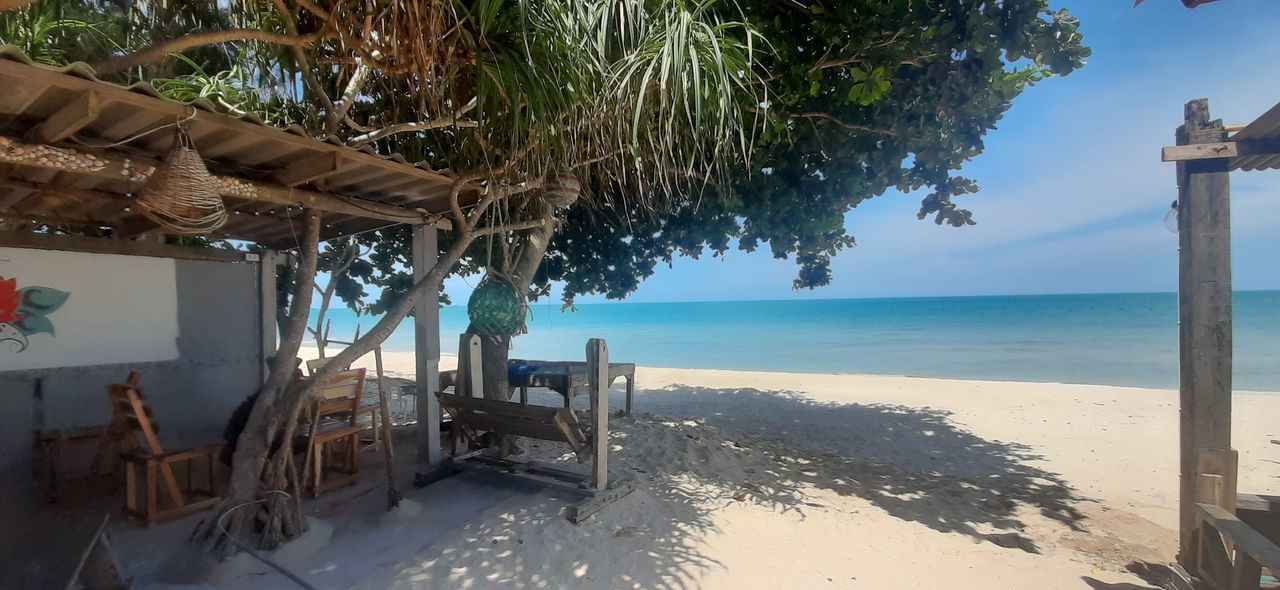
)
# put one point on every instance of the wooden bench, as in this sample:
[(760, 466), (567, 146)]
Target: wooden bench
[(473, 416)]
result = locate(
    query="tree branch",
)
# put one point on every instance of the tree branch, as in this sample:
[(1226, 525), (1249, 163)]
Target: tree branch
[(304, 66), (454, 120), (510, 227), (160, 50), (348, 98), (390, 130)]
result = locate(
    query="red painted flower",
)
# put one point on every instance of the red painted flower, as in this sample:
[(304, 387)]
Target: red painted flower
[(8, 300)]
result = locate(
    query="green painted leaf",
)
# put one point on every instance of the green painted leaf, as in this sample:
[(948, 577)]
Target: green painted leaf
[(42, 299), (34, 323)]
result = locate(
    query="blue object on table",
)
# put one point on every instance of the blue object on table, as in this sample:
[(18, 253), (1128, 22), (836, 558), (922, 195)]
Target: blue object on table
[(520, 369)]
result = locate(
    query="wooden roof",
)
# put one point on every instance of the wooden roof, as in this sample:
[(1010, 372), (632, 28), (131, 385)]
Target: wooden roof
[(1263, 130), (58, 164), (1255, 146)]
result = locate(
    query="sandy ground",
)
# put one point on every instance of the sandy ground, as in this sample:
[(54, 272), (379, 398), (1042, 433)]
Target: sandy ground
[(753, 480), (760, 480)]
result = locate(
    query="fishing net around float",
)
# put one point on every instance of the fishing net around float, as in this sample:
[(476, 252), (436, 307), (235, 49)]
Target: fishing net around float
[(495, 308)]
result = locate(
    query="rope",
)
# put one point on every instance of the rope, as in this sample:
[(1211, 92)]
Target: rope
[(138, 135), (223, 529)]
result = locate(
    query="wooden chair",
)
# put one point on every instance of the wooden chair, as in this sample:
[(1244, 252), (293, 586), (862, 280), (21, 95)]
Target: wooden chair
[(335, 433), (149, 469), (374, 432), (473, 415), (314, 365)]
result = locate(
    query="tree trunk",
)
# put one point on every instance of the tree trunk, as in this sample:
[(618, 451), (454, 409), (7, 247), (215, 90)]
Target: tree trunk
[(254, 444), (495, 350)]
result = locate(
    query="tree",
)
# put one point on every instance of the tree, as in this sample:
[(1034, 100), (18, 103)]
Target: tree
[(863, 97)]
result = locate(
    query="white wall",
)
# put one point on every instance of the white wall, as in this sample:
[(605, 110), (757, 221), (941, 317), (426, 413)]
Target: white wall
[(120, 309)]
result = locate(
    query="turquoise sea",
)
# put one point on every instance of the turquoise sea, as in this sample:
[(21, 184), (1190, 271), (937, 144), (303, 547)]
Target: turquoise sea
[(1115, 339)]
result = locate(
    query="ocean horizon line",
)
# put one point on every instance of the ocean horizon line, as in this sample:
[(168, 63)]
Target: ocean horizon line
[(885, 298)]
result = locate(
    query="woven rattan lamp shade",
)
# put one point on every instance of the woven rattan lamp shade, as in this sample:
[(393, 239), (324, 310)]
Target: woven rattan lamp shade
[(180, 195)]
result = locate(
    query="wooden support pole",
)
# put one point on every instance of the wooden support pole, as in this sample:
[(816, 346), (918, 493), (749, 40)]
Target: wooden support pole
[(268, 263), (426, 332), (1204, 311), (598, 377)]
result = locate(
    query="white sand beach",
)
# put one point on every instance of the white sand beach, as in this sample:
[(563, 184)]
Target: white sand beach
[(765, 480)]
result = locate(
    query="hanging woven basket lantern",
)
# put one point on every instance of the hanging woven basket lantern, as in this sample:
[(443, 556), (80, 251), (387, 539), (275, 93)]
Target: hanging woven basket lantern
[(562, 190), (180, 195), (495, 308)]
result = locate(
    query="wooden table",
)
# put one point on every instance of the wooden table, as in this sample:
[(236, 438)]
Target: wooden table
[(567, 378)]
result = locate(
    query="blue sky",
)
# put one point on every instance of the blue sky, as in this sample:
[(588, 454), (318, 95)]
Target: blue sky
[(1073, 190)]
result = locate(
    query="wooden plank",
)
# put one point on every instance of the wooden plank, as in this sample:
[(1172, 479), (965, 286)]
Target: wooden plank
[(598, 373), (15, 239), (1248, 149), (1201, 151), (1218, 468), (71, 118), (1257, 503), (585, 508), (309, 169), (1247, 573), (426, 352), (506, 424), (1245, 538), (268, 265), (545, 414), (97, 568), (1204, 310)]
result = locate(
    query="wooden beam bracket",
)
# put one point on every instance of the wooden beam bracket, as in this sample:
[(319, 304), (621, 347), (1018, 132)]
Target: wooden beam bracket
[(74, 116)]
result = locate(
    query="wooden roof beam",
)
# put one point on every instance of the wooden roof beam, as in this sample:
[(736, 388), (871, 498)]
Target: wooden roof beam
[(309, 169), (74, 116), (1220, 149)]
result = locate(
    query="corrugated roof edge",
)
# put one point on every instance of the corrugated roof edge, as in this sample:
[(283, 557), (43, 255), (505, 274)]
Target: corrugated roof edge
[(85, 71)]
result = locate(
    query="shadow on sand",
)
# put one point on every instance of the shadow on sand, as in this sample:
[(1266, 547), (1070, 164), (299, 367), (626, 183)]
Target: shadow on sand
[(914, 463), (735, 445)]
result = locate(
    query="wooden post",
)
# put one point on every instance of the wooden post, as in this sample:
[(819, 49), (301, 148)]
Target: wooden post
[(474, 375), (1204, 311), (426, 332), (268, 262), (598, 377)]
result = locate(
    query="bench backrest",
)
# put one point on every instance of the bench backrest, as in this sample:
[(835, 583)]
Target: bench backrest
[(540, 422)]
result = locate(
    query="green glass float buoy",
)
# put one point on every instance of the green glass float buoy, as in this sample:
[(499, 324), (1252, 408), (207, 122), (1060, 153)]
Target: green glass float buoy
[(495, 308)]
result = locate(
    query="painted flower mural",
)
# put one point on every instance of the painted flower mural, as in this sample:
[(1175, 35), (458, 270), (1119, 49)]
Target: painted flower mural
[(25, 311)]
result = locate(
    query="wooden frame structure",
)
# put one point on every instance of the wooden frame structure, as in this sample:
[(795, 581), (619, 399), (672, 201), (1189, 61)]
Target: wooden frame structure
[(473, 415), (148, 465), (75, 151), (1216, 547)]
